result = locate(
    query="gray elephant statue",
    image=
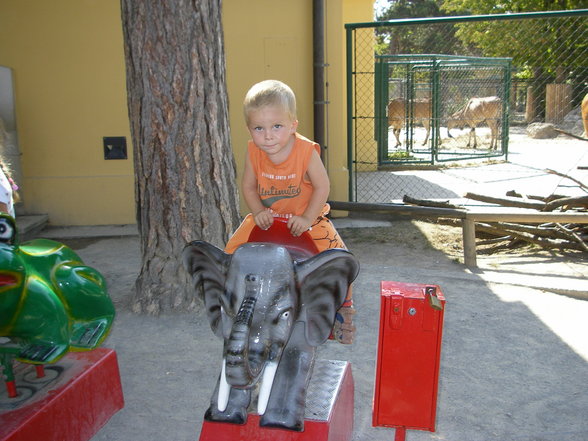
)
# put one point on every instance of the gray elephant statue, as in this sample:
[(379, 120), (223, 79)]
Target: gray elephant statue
[(273, 306)]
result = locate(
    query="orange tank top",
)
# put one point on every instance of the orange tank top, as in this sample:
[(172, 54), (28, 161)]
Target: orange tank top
[(284, 187)]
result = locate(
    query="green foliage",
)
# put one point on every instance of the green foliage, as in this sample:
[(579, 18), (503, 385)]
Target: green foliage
[(410, 9), (431, 39), (475, 7), (552, 44), (543, 50), (399, 156)]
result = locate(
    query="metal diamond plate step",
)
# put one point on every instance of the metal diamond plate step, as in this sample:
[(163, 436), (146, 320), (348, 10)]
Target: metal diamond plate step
[(326, 379)]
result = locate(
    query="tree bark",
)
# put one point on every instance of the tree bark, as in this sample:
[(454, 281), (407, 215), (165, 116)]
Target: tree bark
[(184, 166)]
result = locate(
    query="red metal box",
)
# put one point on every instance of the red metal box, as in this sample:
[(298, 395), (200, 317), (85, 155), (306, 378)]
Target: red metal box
[(409, 350)]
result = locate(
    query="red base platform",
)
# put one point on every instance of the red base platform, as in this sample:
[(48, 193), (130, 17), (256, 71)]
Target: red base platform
[(329, 400), (74, 399)]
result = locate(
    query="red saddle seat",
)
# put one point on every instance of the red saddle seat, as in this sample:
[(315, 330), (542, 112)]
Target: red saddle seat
[(279, 234)]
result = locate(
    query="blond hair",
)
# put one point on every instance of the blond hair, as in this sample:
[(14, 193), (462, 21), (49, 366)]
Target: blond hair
[(270, 93)]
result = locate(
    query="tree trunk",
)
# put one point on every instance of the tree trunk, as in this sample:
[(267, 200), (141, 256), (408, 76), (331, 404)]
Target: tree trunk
[(184, 166)]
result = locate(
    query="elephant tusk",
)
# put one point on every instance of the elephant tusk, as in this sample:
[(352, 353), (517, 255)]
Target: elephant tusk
[(223, 390), (266, 386)]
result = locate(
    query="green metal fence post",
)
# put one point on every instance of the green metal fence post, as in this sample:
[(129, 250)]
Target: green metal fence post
[(349, 32), (506, 108), (435, 112)]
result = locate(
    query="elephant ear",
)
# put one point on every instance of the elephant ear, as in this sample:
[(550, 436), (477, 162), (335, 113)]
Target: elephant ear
[(208, 266), (324, 280)]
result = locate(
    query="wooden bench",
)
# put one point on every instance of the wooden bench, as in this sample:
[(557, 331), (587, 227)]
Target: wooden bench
[(468, 218)]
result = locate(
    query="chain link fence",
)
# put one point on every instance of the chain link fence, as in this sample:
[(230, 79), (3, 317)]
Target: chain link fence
[(442, 90)]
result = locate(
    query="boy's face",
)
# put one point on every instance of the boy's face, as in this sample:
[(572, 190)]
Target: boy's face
[(272, 129)]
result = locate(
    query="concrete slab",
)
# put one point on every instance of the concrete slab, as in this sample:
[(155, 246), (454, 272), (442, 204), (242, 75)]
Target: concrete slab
[(525, 172), (30, 226), (90, 231)]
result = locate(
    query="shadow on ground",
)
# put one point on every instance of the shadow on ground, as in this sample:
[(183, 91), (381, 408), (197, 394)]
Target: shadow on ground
[(514, 361)]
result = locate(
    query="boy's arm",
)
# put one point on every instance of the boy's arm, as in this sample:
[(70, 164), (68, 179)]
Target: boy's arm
[(262, 217), (320, 193)]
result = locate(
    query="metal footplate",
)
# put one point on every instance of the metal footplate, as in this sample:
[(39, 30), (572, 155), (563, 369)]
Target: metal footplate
[(328, 413), (326, 379)]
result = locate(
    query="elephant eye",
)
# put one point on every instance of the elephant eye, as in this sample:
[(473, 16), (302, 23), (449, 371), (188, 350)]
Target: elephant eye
[(284, 315)]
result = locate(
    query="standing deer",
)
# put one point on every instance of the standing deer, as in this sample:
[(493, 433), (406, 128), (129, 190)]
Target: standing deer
[(477, 111), (397, 115)]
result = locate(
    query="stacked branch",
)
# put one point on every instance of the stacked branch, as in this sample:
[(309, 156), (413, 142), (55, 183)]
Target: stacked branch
[(550, 236)]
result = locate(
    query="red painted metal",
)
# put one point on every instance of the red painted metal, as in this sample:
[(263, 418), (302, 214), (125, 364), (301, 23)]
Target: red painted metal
[(400, 434), (11, 389), (82, 399), (40, 369), (409, 351), (280, 234), (338, 426)]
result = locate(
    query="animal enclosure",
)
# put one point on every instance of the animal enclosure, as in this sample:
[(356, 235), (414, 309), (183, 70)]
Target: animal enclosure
[(434, 91)]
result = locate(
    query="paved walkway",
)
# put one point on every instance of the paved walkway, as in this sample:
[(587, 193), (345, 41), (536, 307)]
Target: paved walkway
[(514, 360), (524, 172)]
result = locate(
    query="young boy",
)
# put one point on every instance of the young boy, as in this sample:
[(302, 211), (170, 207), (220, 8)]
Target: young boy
[(284, 177)]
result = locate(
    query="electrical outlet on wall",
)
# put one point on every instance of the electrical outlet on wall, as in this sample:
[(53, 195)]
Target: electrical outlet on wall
[(115, 147)]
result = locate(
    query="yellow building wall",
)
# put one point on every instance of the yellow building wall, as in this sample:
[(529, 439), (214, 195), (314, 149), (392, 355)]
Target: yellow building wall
[(268, 39), (260, 47), (339, 13), (67, 58)]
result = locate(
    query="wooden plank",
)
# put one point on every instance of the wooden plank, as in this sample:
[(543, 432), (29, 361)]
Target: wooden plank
[(526, 216), (399, 209), (469, 218)]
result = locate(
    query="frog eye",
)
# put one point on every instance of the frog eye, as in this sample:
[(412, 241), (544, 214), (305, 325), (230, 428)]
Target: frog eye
[(6, 230)]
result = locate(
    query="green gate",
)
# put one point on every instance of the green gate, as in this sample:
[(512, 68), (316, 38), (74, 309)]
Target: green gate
[(412, 90)]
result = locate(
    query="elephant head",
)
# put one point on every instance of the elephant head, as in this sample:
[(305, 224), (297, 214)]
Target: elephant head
[(257, 296)]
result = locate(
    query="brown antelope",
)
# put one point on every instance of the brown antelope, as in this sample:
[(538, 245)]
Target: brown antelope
[(476, 111), (396, 115)]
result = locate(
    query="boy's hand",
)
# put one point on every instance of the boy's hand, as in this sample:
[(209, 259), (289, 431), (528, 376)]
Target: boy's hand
[(263, 219), (298, 225)]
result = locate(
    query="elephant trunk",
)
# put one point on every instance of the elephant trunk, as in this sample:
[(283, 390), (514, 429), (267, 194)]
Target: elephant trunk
[(240, 371)]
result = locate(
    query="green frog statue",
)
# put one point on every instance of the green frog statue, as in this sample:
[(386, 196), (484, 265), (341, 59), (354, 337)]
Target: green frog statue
[(50, 302)]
